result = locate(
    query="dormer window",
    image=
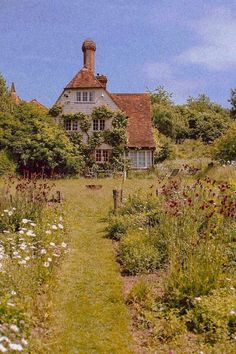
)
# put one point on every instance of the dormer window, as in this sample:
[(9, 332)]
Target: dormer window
[(99, 124), (85, 96)]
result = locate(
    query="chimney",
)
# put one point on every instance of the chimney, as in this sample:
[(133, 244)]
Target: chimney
[(102, 79), (13, 94), (89, 48)]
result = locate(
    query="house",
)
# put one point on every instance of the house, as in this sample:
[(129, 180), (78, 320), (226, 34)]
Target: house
[(88, 90), (16, 99)]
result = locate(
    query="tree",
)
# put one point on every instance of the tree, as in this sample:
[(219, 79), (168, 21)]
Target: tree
[(232, 100), (225, 147)]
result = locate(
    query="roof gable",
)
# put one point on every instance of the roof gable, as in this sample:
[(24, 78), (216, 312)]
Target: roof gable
[(138, 108), (84, 79)]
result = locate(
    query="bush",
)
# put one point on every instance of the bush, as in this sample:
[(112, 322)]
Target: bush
[(117, 227), (6, 165), (138, 254), (214, 315), (225, 147)]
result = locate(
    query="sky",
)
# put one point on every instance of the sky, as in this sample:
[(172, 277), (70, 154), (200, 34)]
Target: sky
[(187, 46)]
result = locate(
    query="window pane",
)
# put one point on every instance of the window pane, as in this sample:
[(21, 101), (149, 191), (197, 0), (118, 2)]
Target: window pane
[(75, 125), (102, 124), (149, 158), (141, 159), (95, 124), (68, 125), (91, 96), (105, 155), (78, 96), (98, 155), (85, 96), (133, 158)]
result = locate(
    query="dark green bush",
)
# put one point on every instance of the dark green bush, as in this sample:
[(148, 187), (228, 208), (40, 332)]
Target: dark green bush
[(117, 228)]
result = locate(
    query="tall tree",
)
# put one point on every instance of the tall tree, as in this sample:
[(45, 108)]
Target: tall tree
[(232, 100)]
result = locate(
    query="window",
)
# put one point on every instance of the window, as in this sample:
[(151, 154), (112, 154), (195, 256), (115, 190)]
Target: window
[(75, 125), (140, 158), (102, 155), (68, 124), (102, 124), (95, 124), (85, 96), (98, 124), (91, 96), (78, 96)]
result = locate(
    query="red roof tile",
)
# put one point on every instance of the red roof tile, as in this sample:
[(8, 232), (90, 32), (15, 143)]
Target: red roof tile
[(138, 108), (84, 79), (37, 103)]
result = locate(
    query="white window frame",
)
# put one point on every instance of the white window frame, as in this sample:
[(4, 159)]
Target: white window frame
[(102, 155), (85, 96), (135, 158)]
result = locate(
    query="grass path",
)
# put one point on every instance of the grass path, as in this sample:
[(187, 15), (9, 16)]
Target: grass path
[(89, 312)]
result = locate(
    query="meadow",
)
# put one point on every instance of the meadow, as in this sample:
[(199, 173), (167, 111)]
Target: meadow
[(157, 276)]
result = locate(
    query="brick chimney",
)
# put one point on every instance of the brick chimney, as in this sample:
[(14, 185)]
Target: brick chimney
[(102, 79), (89, 48)]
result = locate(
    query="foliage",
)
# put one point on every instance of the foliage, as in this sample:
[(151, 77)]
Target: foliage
[(225, 147), (233, 103), (119, 120), (7, 166), (102, 112), (164, 153), (37, 143), (55, 111), (117, 228), (30, 251)]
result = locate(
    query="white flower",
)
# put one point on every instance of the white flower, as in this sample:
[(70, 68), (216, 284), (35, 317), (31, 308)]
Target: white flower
[(63, 244), (22, 261), (232, 312), (6, 211), (13, 292), (61, 218), (10, 213), (33, 224), (43, 251), (24, 341), (11, 304), (198, 298), (48, 232), (6, 232), (30, 233), (56, 255), (2, 348), (49, 259), (61, 226), (52, 244), (5, 339), (54, 227), (14, 328), (46, 264), (21, 232), (232, 288), (14, 208), (27, 258), (15, 346), (25, 221)]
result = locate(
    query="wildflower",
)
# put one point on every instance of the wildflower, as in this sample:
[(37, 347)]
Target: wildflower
[(11, 304), (14, 208), (30, 233), (21, 232), (52, 244), (61, 226), (43, 251), (48, 232), (54, 227), (22, 261), (63, 244), (24, 341), (232, 312), (33, 224), (49, 259), (46, 264), (14, 328), (198, 298), (27, 258), (25, 221), (15, 346), (6, 211), (232, 288), (10, 213), (13, 292), (2, 348), (6, 232), (61, 218)]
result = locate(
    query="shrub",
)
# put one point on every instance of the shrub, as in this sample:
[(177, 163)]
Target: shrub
[(117, 227), (139, 293), (138, 254), (6, 164), (214, 315)]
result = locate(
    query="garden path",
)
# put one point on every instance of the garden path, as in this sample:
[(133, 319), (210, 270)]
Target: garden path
[(89, 313)]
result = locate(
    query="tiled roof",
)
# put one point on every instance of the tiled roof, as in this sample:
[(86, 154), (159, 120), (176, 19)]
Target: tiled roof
[(84, 79), (138, 108), (37, 103)]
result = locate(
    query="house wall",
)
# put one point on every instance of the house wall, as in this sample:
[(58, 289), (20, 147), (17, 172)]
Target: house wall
[(71, 105)]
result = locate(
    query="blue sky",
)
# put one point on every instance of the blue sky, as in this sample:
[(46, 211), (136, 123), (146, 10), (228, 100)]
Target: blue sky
[(189, 46)]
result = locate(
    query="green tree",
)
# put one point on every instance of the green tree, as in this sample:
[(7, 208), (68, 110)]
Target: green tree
[(225, 147), (232, 100)]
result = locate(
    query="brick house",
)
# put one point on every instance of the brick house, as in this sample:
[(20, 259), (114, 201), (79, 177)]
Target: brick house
[(87, 90)]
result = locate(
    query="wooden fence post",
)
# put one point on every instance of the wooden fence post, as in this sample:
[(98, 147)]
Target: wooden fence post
[(116, 198)]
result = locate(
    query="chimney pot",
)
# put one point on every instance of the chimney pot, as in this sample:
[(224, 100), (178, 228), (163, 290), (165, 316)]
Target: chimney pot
[(89, 48)]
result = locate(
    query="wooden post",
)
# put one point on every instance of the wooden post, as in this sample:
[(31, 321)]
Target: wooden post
[(58, 196), (116, 198)]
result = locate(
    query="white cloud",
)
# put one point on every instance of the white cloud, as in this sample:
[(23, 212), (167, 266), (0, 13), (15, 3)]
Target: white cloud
[(217, 50)]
